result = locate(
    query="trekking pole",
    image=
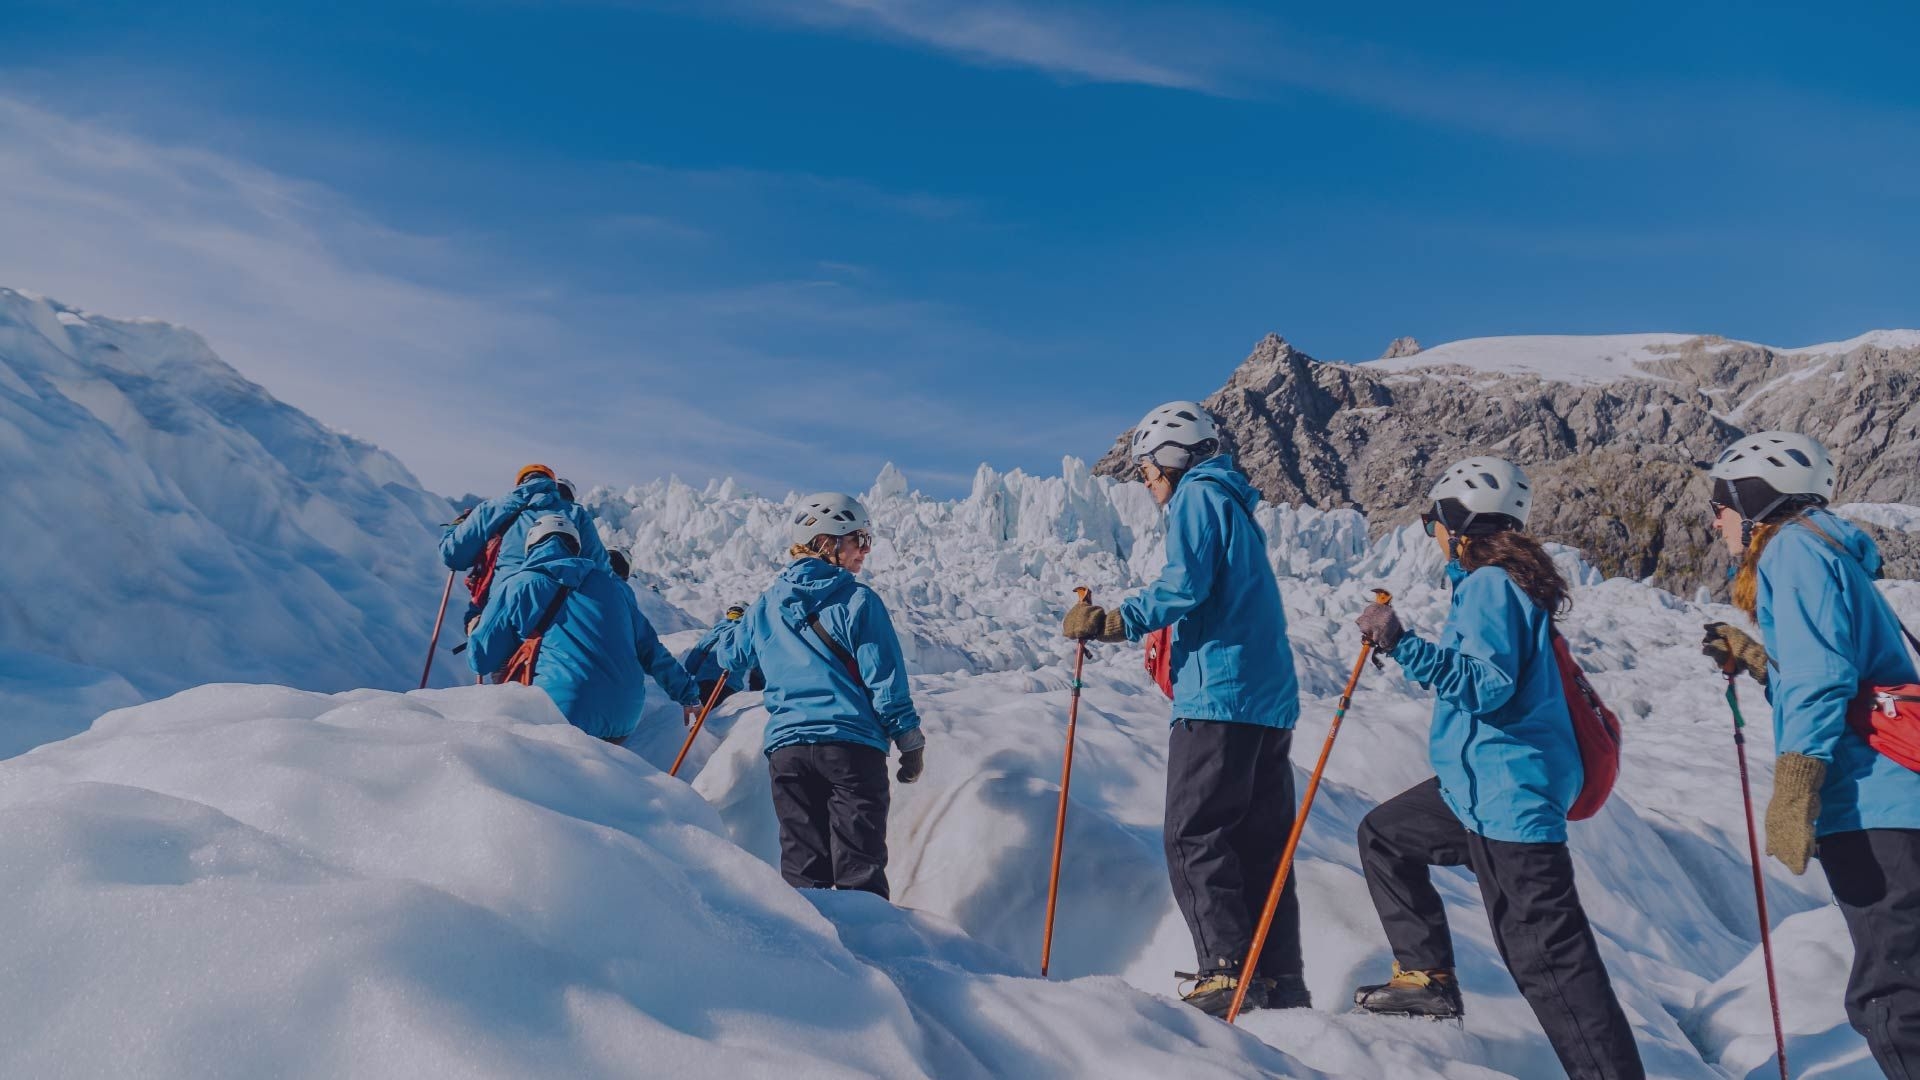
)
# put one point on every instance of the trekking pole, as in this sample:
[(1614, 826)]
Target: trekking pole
[(1066, 777), (712, 700), (433, 644), (1759, 882), (1380, 596)]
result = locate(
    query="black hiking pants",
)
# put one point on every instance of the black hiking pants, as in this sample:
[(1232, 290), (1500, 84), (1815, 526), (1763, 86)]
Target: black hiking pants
[(1875, 874), (831, 800), (1538, 925), (1230, 807)]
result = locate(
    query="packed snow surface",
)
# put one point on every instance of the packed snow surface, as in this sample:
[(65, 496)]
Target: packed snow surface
[(246, 880), (173, 523), (978, 587), (250, 880)]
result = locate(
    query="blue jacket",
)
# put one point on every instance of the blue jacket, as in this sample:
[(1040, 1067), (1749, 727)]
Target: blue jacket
[(1231, 659), (811, 696), (1502, 741), (464, 542), (596, 653), (703, 660), (1827, 631)]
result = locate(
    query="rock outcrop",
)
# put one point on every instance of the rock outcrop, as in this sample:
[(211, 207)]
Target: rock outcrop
[(1618, 453)]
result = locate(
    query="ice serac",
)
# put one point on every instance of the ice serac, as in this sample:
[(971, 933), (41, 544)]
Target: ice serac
[(172, 523), (1614, 429)]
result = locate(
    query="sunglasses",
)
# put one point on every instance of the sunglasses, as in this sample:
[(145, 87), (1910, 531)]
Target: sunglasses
[(1428, 520), (862, 540)]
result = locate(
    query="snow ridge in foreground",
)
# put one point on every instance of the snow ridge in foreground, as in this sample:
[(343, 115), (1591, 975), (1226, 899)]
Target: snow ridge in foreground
[(249, 881)]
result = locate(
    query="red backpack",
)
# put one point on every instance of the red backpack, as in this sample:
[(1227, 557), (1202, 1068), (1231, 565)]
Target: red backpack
[(1595, 728), (1888, 717), (480, 574), (1159, 658)]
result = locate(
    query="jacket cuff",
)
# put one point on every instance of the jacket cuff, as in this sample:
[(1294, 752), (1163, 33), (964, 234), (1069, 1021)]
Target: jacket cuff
[(910, 740), (1407, 646)]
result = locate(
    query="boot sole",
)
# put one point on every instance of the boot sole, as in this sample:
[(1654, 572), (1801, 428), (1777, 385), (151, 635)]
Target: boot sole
[(1403, 1014)]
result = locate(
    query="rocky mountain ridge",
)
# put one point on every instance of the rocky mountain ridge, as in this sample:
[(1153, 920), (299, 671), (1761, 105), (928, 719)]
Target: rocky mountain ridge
[(1615, 431)]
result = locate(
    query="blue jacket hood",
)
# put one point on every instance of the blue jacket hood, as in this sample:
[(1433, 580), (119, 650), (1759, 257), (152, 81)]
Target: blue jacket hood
[(807, 587), (1850, 537), (1220, 469), (554, 560)]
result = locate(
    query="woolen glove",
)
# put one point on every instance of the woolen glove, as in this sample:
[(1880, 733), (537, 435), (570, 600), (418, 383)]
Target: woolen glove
[(1380, 624), (1731, 649), (1794, 808), (913, 755), (1085, 622)]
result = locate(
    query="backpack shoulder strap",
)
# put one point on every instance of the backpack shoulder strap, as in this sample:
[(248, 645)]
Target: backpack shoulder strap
[(838, 650), (552, 612)]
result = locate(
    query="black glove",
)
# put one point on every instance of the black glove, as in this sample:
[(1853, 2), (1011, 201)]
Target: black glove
[(913, 754), (1085, 622), (1380, 624), (1732, 650)]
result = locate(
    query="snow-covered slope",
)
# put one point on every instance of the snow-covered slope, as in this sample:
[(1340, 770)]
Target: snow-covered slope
[(171, 523), (253, 881), (1600, 358), (980, 584)]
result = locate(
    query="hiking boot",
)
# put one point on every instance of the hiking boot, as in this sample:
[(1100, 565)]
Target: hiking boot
[(1212, 991), (1287, 992), (1433, 994)]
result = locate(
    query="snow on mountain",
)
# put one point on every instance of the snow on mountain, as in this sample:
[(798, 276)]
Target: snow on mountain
[(980, 584), (175, 524), (1592, 359), (1581, 359)]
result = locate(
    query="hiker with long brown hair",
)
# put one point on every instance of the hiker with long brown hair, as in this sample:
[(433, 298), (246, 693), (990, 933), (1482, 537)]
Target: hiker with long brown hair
[(1805, 577), (1508, 769)]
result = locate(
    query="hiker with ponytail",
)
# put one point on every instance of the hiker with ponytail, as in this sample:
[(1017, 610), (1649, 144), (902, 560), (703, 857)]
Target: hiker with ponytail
[(1508, 770), (1827, 637)]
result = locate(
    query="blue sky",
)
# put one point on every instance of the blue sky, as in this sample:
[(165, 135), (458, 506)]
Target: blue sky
[(789, 242)]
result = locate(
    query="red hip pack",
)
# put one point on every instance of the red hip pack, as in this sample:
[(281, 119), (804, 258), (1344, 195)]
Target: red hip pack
[(1888, 717)]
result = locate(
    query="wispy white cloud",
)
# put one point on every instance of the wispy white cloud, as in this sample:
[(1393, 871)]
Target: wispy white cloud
[(464, 366), (327, 308), (1069, 43)]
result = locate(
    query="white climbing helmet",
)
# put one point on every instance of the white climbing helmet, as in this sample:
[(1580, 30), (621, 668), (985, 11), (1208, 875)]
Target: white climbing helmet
[(829, 513), (547, 525), (1485, 485), (1793, 466), (1170, 435)]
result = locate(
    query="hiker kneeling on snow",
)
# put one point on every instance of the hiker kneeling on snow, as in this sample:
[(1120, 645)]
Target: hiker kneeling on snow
[(1230, 803), (1509, 768), (836, 695), (564, 623), (1845, 713), (489, 541)]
